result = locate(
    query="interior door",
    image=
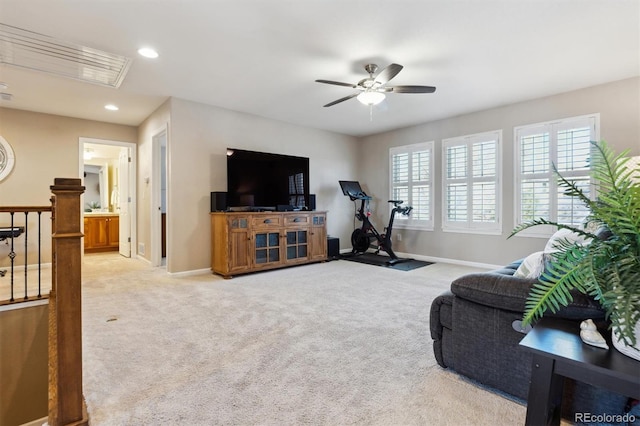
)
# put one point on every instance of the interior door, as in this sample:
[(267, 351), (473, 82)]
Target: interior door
[(124, 202)]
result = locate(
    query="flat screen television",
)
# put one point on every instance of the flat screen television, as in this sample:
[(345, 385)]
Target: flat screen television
[(267, 181)]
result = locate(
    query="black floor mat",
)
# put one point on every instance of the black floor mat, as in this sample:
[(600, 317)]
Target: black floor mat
[(378, 260)]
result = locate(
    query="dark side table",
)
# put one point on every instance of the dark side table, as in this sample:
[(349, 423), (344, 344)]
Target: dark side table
[(558, 352)]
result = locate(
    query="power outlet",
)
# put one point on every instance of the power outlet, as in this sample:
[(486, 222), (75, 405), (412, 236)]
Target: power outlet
[(399, 237), (141, 248)]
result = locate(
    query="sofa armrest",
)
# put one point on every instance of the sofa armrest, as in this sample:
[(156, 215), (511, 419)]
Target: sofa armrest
[(493, 289), (510, 293), (441, 325), (440, 315)]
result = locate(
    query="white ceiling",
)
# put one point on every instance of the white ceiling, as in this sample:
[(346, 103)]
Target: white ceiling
[(262, 56)]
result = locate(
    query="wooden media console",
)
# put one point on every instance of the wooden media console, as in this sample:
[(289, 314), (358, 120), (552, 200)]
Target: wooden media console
[(243, 242)]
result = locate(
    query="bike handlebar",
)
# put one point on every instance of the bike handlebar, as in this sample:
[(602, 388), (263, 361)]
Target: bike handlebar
[(404, 210), (358, 196)]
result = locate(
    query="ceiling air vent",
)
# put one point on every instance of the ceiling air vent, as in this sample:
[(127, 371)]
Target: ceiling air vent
[(26, 49)]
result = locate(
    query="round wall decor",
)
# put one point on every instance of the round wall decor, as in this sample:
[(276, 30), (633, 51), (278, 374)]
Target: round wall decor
[(7, 158)]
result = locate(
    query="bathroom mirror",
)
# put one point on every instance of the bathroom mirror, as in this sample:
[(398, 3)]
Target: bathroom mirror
[(96, 195)]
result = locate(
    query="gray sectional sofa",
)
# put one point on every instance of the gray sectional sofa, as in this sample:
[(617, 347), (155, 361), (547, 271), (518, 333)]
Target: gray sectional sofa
[(476, 329)]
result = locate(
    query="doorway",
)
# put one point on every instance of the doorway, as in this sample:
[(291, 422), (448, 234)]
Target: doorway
[(108, 171), (161, 235)]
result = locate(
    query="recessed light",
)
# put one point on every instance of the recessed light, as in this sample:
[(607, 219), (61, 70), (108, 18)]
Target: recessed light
[(148, 52), (111, 107), (3, 85)]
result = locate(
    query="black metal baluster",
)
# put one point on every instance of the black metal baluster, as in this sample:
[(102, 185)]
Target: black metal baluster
[(39, 254), (12, 255), (26, 234)]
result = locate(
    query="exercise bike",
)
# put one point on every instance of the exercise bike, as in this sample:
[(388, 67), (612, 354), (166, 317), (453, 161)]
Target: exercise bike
[(367, 236)]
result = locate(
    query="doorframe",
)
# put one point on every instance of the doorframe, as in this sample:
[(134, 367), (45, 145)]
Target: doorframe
[(156, 196), (133, 177)]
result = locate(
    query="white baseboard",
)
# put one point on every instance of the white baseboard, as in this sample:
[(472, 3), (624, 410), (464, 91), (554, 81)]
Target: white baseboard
[(24, 305), (439, 260), (39, 422), (30, 267), (190, 273), (343, 251), (139, 257), (450, 261)]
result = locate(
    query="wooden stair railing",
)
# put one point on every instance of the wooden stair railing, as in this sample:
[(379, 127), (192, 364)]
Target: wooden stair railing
[(66, 401), (8, 233)]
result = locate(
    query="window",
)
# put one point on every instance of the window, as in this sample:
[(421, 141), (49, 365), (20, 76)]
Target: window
[(411, 180), (471, 193), (565, 144)]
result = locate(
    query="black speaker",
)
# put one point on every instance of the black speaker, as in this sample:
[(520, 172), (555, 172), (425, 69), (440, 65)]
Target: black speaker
[(333, 248), (312, 201), (218, 201)]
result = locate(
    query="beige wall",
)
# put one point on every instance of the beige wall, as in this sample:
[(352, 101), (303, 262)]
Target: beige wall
[(618, 104), (46, 146), (23, 364), (199, 136)]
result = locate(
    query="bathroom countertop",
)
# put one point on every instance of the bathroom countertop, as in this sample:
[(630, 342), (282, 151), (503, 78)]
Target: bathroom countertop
[(101, 214)]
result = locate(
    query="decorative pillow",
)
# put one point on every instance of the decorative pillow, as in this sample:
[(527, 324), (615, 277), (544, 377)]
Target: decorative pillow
[(532, 266), (563, 235)]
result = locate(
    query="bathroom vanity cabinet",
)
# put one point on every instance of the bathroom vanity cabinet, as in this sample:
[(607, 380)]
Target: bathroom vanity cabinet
[(101, 233)]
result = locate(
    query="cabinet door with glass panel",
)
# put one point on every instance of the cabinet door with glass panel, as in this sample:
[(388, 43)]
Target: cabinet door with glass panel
[(297, 245), (238, 255), (296, 237), (267, 248), (318, 237)]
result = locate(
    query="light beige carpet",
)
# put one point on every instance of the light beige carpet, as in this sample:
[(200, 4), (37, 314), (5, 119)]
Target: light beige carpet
[(334, 343)]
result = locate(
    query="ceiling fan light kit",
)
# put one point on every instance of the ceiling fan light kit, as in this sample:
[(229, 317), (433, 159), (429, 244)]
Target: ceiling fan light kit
[(372, 89), (371, 98)]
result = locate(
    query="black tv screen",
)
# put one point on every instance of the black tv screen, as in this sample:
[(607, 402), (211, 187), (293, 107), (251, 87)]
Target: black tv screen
[(260, 179)]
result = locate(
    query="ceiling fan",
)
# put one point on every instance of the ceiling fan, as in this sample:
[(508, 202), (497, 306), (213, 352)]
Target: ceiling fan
[(371, 90)]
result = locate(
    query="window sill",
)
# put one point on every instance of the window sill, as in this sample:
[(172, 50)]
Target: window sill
[(473, 231), (413, 227)]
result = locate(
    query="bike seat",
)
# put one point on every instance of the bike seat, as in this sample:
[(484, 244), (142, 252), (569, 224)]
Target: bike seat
[(396, 202)]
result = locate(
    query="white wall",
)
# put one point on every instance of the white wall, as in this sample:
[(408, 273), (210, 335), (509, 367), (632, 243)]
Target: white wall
[(198, 138), (618, 104)]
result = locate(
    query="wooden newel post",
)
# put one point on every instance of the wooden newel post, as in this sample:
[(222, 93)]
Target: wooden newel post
[(66, 400)]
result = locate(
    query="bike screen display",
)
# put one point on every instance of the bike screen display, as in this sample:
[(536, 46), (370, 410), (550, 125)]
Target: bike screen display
[(350, 187)]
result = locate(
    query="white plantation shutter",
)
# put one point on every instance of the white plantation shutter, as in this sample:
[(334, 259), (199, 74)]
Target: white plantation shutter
[(484, 203), (421, 185), (411, 180), (457, 202), (565, 144), (471, 198)]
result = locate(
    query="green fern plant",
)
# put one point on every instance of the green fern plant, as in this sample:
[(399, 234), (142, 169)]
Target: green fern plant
[(606, 268)]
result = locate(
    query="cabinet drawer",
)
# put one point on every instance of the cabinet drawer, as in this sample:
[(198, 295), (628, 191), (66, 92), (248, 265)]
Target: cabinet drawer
[(268, 221), (303, 219)]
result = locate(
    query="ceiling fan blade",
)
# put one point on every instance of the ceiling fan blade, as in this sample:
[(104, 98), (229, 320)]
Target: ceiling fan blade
[(412, 89), (337, 83), (346, 98), (388, 73)]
